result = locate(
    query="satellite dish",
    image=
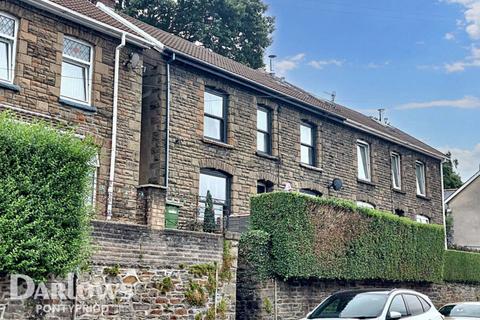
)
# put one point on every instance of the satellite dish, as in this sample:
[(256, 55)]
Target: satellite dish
[(134, 60), (337, 184)]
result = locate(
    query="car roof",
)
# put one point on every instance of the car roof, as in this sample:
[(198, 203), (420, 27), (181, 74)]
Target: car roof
[(381, 290)]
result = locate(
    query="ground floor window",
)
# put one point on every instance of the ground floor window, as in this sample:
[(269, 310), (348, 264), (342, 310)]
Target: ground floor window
[(218, 183), (422, 219), (363, 204), (310, 192), (264, 186)]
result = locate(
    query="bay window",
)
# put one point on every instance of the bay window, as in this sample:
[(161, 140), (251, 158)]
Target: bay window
[(76, 71), (218, 183), (8, 42), (214, 120)]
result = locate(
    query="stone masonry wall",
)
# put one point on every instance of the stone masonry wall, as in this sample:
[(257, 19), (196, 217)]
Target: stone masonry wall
[(296, 298), (127, 277), (336, 158), (38, 74)]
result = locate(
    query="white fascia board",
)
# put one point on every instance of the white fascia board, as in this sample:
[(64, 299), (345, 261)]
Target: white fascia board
[(79, 18), (159, 45)]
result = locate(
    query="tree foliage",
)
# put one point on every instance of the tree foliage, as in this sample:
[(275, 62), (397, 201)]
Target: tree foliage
[(237, 29), (451, 179), (44, 223)]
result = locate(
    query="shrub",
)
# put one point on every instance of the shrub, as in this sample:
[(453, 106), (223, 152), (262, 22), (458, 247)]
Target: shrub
[(44, 223), (328, 238), (196, 294), (209, 214), (462, 266), (255, 249)]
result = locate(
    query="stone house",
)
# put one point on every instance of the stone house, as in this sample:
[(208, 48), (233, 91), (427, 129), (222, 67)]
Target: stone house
[(463, 205), (184, 120)]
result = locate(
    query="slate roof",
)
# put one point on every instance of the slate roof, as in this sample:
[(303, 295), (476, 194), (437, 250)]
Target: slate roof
[(245, 73)]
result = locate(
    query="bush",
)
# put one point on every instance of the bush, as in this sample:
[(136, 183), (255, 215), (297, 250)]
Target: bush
[(44, 223), (462, 266), (328, 238), (256, 250)]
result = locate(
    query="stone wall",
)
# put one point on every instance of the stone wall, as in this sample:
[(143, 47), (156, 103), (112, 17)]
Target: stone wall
[(336, 146), (38, 77), (140, 273), (294, 299)]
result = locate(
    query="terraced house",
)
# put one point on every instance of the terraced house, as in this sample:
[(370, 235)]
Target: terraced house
[(173, 120)]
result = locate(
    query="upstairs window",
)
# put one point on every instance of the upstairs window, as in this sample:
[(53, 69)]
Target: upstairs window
[(420, 175), (215, 115), (264, 130), (396, 171), (307, 144), (8, 42), (363, 160), (422, 219), (76, 71)]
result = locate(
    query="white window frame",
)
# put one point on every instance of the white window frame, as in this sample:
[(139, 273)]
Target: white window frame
[(13, 50), (399, 170), (80, 63), (422, 219), (361, 143), (419, 163), (95, 164), (310, 145)]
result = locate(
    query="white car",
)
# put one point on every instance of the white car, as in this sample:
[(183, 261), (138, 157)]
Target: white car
[(461, 310), (381, 304)]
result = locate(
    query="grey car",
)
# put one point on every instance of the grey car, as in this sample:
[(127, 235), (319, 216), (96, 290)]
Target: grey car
[(384, 304), (461, 310)]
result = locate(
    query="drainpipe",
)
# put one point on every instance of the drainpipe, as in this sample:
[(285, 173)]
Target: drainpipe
[(167, 129), (443, 205), (113, 155)]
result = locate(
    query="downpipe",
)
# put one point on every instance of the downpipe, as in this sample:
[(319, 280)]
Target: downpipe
[(167, 126), (113, 155)]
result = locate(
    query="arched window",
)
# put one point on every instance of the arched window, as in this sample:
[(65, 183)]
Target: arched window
[(363, 204), (264, 186), (8, 44), (311, 192), (218, 183)]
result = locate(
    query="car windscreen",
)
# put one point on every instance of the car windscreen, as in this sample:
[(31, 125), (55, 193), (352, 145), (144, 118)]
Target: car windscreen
[(461, 310), (351, 305)]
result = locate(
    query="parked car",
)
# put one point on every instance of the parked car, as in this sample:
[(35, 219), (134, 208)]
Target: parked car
[(461, 310), (384, 304)]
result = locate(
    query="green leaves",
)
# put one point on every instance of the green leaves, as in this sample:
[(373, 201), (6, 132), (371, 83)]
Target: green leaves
[(461, 266), (44, 225), (329, 238)]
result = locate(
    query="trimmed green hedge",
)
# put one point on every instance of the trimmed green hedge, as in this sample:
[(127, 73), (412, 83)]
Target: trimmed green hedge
[(44, 223), (461, 266), (255, 249), (328, 238)]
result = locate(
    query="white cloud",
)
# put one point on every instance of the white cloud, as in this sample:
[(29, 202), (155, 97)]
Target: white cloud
[(449, 36), (373, 65), (468, 159), (471, 16), (320, 64), (473, 60), (467, 102), (281, 67)]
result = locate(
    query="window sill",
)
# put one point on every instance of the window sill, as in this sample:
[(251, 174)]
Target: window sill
[(267, 156), (9, 86), (77, 105), (307, 166), (368, 183), (423, 197), (217, 143), (398, 191)]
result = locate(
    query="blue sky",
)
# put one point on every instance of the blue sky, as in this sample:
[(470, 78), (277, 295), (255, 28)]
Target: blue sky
[(419, 59)]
